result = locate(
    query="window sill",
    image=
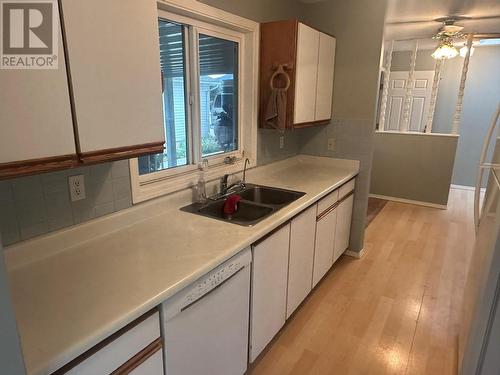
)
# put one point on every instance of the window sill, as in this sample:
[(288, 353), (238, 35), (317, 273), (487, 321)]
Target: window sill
[(142, 191)]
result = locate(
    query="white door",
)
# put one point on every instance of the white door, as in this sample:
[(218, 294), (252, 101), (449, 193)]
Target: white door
[(269, 284), (419, 100), (325, 242), (343, 228), (300, 268), (324, 89), (306, 74)]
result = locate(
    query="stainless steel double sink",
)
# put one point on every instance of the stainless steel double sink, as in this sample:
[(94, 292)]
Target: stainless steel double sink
[(257, 202)]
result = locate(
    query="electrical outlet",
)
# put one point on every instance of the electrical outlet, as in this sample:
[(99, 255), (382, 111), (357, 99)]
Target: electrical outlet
[(76, 187), (282, 141), (331, 144)]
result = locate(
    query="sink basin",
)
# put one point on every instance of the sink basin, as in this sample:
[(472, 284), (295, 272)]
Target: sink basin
[(268, 195), (257, 202), (247, 214)]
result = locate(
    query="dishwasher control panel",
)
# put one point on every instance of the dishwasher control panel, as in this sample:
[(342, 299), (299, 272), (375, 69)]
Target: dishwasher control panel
[(212, 280), (206, 284)]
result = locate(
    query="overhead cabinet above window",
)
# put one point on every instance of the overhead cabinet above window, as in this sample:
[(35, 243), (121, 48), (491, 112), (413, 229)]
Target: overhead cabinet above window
[(297, 61), (114, 66), (103, 102)]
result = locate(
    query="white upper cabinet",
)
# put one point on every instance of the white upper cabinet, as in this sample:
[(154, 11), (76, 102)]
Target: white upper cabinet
[(114, 61), (306, 74), (324, 89), (35, 114), (314, 75), (307, 57)]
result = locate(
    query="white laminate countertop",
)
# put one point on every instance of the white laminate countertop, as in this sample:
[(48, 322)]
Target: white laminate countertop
[(73, 288)]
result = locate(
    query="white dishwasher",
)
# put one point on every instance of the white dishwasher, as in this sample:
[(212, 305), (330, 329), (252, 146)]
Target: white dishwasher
[(205, 325)]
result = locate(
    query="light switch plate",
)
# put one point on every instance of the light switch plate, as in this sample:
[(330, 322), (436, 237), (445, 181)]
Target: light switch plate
[(282, 141), (76, 187), (331, 144)]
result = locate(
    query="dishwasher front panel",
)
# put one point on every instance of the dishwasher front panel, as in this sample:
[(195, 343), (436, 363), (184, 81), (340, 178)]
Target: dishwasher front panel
[(210, 336)]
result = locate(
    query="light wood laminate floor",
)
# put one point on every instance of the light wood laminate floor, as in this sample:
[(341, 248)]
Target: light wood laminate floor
[(396, 310)]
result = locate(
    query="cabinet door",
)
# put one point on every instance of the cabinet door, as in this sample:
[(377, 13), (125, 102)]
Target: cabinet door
[(269, 284), (343, 230), (114, 60), (306, 74), (300, 267), (325, 243), (324, 89), (35, 115)]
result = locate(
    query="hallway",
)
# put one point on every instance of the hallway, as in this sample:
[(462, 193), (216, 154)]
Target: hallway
[(396, 310)]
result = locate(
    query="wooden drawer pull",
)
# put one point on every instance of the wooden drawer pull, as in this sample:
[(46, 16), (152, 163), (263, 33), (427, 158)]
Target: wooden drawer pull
[(139, 358)]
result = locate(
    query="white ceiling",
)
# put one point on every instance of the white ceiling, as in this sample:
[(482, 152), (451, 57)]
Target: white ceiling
[(414, 18)]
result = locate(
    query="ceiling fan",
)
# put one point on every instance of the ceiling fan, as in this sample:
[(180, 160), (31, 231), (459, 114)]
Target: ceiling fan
[(448, 35)]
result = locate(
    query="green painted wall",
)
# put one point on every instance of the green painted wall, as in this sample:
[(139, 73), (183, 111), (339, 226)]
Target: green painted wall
[(406, 166), (358, 27)]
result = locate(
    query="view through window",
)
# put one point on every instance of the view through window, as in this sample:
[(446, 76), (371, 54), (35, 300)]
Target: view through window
[(216, 132)]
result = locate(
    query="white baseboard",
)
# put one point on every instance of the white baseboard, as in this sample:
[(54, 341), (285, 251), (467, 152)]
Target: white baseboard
[(409, 201), (461, 187), (465, 187), (355, 254)]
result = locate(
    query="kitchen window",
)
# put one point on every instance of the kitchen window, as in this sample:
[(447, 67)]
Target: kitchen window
[(203, 102)]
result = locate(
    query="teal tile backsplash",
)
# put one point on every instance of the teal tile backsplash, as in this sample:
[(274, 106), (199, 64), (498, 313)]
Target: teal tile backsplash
[(33, 205)]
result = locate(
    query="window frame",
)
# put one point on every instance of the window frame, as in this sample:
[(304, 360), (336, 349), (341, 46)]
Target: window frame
[(194, 17)]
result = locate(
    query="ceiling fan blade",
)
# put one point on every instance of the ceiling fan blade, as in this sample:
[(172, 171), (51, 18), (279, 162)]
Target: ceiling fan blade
[(441, 19)]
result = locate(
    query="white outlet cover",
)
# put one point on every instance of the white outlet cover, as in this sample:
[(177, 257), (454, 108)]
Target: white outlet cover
[(282, 141), (76, 187)]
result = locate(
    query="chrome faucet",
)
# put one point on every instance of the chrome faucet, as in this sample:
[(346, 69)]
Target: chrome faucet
[(247, 161), (223, 185), (224, 189)]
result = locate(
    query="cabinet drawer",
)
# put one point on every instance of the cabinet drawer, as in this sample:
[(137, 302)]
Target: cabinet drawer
[(119, 348), (149, 361), (347, 188), (328, 201), (151, 366)]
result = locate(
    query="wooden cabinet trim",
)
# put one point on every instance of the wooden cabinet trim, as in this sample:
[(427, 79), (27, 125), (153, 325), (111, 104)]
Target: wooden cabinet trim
[(139, 358), (311, 123), (32, 166), (54, 163), (89, 353), (345, 197), (327, 211), (121, 152), (273, 50)]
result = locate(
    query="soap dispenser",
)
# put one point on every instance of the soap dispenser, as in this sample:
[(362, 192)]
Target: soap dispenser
[(200, 188)]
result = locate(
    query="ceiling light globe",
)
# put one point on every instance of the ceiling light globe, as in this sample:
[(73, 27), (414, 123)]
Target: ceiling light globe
[(445, 52)]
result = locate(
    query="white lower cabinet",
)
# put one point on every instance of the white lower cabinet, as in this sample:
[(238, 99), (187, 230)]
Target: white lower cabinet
[(151, 366), (300, 267), (136, 349), (325, 242), (269, 289), (343, 230)]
